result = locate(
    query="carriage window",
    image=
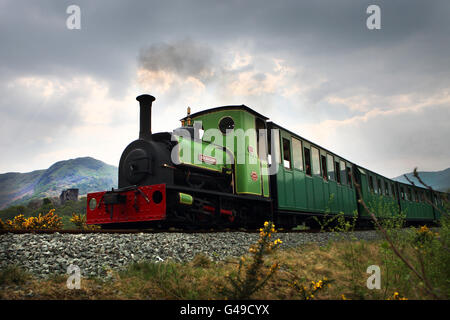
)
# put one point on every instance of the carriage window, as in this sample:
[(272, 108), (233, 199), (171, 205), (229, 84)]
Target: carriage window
[(416, 195), (349, 177), (286, 153), (276, 141), (327, 167), (375, 188), (394, 194), (343, 175), (324, 167), (338, 172), (371, 184), (297, 153), (315, 161), (386, 188), (307, 161), (277, 151), (380, 187), (402, 193), (330, 167)]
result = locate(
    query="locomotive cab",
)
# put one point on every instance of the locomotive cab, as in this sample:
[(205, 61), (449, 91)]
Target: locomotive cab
[(239, 130)]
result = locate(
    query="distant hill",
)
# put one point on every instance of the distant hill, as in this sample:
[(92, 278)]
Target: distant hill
[(438, 180), (87, 174)]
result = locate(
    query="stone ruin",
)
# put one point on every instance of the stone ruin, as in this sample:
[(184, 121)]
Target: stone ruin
[(68, 195)]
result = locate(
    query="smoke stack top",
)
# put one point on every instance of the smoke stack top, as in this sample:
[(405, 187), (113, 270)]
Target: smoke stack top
[(145, 117)]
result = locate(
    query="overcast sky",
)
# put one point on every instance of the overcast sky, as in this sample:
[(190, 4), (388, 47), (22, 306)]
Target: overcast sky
[(379, 98)]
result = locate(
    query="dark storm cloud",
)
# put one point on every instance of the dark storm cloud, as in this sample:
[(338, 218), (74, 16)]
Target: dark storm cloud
[(36, 40), (186, 58)]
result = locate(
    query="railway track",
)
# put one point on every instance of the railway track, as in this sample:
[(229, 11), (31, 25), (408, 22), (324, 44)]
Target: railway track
[(134, 231), (162, 230)]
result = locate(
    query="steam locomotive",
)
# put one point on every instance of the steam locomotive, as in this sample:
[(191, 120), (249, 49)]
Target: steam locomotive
[(184, 179)]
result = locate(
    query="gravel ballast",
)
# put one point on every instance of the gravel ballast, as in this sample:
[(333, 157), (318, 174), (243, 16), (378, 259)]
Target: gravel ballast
[(94, 254)]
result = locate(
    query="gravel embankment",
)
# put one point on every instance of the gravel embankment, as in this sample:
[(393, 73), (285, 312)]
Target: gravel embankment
[(44, 254)]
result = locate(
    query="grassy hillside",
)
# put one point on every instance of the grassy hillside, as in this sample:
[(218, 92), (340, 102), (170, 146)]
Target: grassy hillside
[(87, 174), (14, 185), (438, 180)]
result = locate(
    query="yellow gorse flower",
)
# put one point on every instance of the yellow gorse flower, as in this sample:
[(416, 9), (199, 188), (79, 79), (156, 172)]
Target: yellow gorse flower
[(396, 296), (47, 221), (424, 229)]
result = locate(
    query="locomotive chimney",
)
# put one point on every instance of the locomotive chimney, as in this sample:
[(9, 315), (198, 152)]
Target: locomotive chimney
[(145, 117)]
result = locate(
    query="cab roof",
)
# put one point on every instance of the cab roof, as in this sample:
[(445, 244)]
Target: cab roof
[(223, 108)]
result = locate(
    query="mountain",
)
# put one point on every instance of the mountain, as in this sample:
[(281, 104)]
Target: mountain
[(87, 174), (438, 180)]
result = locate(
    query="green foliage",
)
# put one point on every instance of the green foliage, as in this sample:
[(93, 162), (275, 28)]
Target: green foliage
[(352, 255), (161, 272), (79, 220), (413, 259), (168, 276), (201, 261), (252, 276), (311, 291), (13, 275), (385, 208)]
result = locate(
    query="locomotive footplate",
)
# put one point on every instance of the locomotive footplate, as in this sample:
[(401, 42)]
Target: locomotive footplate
[(130, 204)]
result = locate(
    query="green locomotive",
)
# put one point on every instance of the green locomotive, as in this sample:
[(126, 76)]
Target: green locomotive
[(231, 166)]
